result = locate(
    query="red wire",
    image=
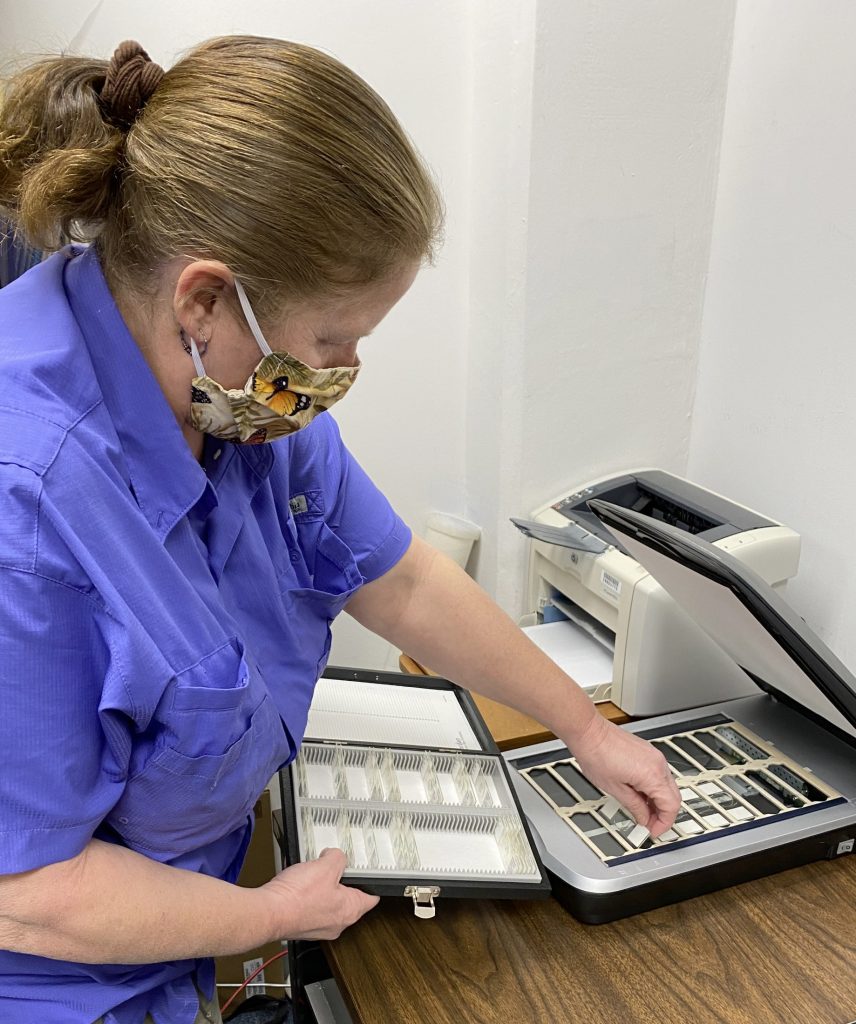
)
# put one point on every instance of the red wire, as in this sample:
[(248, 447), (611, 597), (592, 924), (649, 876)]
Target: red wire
[(255, 973)]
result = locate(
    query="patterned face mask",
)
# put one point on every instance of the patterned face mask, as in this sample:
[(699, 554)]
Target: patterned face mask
[(281, 396)]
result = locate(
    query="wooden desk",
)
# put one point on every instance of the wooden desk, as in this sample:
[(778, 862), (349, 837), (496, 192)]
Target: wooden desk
[(781, 950)]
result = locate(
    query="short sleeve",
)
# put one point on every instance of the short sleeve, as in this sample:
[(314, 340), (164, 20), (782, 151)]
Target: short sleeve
[(362, 517), (54, 789)]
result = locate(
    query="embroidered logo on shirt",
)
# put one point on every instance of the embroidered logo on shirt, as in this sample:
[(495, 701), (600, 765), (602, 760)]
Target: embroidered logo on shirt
[(298, 504)]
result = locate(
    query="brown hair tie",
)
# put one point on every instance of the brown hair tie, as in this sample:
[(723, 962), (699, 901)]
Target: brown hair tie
[(132, 77)]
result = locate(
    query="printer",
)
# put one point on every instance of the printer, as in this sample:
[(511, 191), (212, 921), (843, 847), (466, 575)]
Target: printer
[(582, 575)]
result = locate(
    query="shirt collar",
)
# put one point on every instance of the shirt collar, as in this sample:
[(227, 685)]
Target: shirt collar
[(166, 479)]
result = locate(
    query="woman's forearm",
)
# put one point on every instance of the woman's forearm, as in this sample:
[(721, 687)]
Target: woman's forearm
[(431, 609), (427, 605), (111, 905)]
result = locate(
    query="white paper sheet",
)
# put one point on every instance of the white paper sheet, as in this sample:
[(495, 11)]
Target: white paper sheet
[(574, 650), (379, 713)]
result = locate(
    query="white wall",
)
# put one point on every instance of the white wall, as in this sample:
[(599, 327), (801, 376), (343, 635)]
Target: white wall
[(590, 345), (775, 417), (501, 69)]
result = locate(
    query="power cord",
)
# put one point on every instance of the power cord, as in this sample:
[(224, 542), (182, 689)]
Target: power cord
[(249, 979)]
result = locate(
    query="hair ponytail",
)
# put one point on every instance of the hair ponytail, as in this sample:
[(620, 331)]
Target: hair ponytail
[(58, 156)]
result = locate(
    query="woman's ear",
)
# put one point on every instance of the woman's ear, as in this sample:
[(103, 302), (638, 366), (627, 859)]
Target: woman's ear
[(200, 299)]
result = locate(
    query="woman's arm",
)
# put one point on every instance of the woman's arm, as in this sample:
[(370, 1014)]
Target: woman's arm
[(430, 608), (111, 905)]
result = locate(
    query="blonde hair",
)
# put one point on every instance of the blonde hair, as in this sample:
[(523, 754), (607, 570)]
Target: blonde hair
[(268, 155)]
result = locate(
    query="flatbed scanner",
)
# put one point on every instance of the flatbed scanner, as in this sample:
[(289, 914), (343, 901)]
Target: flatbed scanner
[(768, 781), (580, 572)]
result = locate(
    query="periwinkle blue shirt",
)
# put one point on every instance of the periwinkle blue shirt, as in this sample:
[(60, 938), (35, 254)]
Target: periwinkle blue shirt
[(162, 623)]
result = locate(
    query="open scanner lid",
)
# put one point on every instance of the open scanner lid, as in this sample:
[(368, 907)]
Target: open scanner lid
[(743, 614)]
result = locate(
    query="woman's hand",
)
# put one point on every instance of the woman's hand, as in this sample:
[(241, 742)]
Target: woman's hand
[(311, 902), (632, 771)]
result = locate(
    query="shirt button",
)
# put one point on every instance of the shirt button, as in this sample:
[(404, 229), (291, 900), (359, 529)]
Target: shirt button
[(218, 453), (124, 821), (295, 557)]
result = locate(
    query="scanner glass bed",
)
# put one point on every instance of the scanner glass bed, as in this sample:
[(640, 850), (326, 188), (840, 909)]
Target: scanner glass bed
[(728, 778)]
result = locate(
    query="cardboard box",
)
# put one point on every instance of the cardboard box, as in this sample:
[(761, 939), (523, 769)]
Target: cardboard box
[(259, 867)]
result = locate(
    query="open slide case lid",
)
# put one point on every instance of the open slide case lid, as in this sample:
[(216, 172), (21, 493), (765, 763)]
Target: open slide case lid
[(744, 615), (401, 773)]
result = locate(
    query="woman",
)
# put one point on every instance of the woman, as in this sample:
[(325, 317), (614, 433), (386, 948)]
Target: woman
[(167, 580)]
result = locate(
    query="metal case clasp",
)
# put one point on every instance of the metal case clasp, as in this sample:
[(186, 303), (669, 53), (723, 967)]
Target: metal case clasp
[(423, 899)]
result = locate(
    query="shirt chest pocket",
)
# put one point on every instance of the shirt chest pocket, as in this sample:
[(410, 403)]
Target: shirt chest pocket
[(335, 577), (220, 739)]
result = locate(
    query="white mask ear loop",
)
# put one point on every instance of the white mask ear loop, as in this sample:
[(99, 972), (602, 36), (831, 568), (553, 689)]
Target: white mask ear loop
[(251, 319), (197, 359)]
